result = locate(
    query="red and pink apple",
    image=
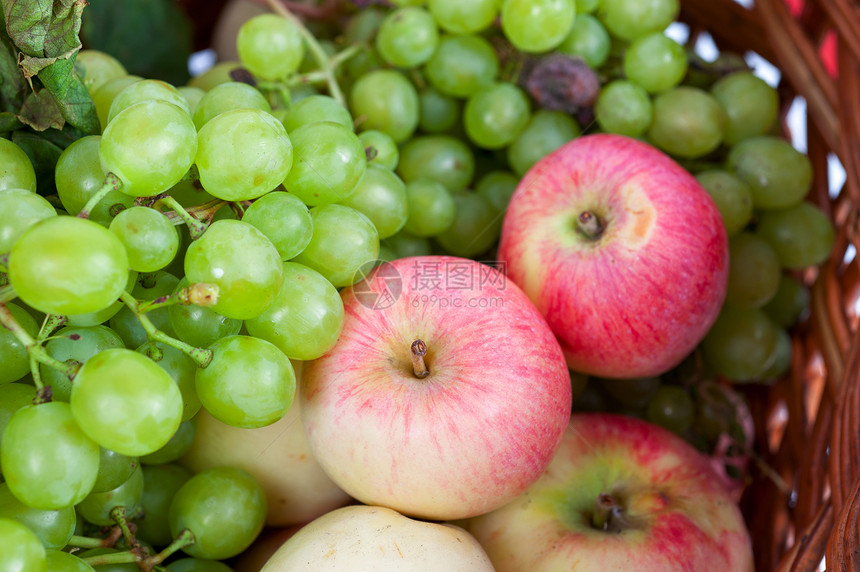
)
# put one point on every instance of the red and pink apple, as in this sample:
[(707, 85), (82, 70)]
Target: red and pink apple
[(622, 251)]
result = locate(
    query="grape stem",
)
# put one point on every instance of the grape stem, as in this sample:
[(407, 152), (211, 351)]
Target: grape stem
[(118, 515), (201, 356), (195, 226), (200, 294), (111, 183), (185, 538), (87, 542), (34, 348), (4, 262)]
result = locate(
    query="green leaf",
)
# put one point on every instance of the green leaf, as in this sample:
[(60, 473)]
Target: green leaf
[(44, 28), (13, 88), (41, 112), (70, 93), (43, 154)]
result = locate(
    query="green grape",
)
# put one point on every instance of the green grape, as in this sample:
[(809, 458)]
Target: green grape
[(463, 17), (160, 483), (179, 443), (13, 396), (96, 67), (778, 175), (431, 208), (223, 507), (671, 408), (439, 112), (197, 565), (181, 369), (750, 104), (101, 316), (16, 169), (242, 262), (381, 196), (125, 402), (656, 62), (741, 343), (380, 148), (462, 65), (317, 108), (19, 210), (200, 326), (363, 25), (386, 101), (59, 561), (271, 47), (497, 187), (146, 90), (22, 550), (408, 2), (104, 95), (475, 229), (790, 303), (754, 271), (216, 75), (545, 132), (188, 193), (801, 235), (149, 146), (305, 319), (113, 567), (53, 527), (243, 154), (404, 245), (623, 107), (781, 362), (537, 25), (588, 6), (732, 197), (630, 19), (632, 393), (149, 237), (688, 122), (386, 254), (228, 96), (77, 344), (13, 354), (329, 162), (192, 96), (79, 175), (441, 158), (68, 265), (96, 507), (495, 116), (407, 37), (343, 241), (48, 461), (148, 287), (250, 382), (114, 470), (587, 39)]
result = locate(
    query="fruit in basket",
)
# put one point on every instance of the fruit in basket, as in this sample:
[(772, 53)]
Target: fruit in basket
[(446, 394), (622, 251), (378, 539), (619, 491)]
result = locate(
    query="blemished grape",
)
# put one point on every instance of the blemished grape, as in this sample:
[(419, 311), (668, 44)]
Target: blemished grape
[(476, 226), (801, 235), (317, 108), (13, 354), (463, 17), (537, 25), (271, 47), (546, 131), (149, 146), (751, 105), (630, 19), (407, 37), (242, 262), (380, 148), (732, 197), (284, 219), (96, 507), (439, 112), (227, 97), (778, 175), (495, 116), (53, 527), (146, 90), (329, 162), (243, 154), (656, 62), (688, 122), (114, 470), (624, 107), (22, 549), (741, 343), (754, 271), (441, 158), (46, 435), (385, 100), (462, 65), (198, 325), (497, 187), (160, 483), (19, 210), (68, 265), (587, 39), (381, 196), (181, 369), (16, 169), (125, 402), (250, 382), (431, 208), (790, 303), (672, 408), (232, 494), (305, 319), (97, 67), (78, 344), (343, 241), (150, 239)]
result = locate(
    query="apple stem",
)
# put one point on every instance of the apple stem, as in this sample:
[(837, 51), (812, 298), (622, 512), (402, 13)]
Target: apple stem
[(590, 225), (609, 515), (419, 368)]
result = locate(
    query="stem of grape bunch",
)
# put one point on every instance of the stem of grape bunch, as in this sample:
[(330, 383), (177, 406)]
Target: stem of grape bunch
[(196, 226), (111, 183)]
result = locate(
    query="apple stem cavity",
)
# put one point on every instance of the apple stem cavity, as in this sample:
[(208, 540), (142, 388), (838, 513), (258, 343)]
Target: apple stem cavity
[(419, 350), (609, 515), (590, 225)]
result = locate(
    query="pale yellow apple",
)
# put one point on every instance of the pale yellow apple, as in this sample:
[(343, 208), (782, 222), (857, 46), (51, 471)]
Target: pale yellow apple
[(364, 538)]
